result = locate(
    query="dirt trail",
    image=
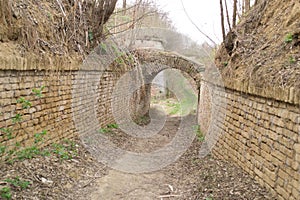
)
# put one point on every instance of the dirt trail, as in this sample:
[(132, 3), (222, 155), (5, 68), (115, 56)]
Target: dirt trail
[(188, 178), (83, 178)]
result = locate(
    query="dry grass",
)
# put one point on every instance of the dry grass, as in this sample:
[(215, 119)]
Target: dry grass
[(262, 56)]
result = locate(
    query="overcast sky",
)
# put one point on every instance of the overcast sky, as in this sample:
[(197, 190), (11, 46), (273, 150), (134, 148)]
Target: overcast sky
[(204, 13)]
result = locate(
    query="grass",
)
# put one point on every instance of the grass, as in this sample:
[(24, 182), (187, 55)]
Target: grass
[(5, 193), (200, 136), (66, 150), (18, 183), (15, 183), (288, 38), (174, 107), (108, 128)]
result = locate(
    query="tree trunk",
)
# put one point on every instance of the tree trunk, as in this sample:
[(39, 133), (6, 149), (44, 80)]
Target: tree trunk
[(227, 15), (222, 20), (124, 7), (234, 15), (247, 5)]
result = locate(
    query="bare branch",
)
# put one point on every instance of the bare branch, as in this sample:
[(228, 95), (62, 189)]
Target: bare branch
[(190, 19), (227, 15), (222, 20), (234, 13)]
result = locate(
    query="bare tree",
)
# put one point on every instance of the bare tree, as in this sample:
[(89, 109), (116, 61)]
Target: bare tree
[(227, 15), (234, 13), (188, 16), (124, 7), (222, 20), (247, 5)]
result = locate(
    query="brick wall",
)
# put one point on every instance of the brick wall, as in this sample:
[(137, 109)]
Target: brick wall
[(60, 105), (259, 134)]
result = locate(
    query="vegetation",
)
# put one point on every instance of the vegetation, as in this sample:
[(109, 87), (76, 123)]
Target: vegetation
[(11, 153), (14, 183), (108, 128), (288, 38), (199, 134), (85, 19), (18, 183), (5, 193), (66, 150)]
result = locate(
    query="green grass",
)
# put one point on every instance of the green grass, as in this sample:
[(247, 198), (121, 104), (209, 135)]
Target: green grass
[(66, 150), (179, 108), (288, 38), (200, 136), (108, 128), (18, 183), (5, 193)]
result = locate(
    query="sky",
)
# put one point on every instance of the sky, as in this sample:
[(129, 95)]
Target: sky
[(204, 13)]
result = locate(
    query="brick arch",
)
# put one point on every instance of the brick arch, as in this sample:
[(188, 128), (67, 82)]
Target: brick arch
[(159, 60), (154, 61)]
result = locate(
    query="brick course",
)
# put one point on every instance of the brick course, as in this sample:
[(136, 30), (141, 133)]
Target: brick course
[(259, 134)]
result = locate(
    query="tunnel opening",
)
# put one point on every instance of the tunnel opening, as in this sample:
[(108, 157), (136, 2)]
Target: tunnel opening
[(174, 92)]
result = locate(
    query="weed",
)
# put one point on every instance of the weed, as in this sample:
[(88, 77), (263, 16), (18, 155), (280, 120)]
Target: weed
[(108, 128), (11, 153), (103, 48), (17, 182), (25, 103), (199, 133), (65, 151), (5, 193), (225, 64), (2, 150), (39, 137), (120, 60), (104, 130), (38, 92), (288, 38), (17, 118), (8, 132), (91, 36), (131, 58), (28, 153), (292, 60)]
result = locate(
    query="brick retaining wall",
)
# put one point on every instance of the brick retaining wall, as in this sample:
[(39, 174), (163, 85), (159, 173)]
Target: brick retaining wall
[(259, 134)]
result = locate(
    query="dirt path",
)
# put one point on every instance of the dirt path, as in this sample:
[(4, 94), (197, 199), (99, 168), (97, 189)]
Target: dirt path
[(187, 178), (83, 178)]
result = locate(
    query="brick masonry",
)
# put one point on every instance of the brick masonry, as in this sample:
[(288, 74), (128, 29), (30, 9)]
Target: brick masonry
[(54, 111), (259, 134), (73, 99)]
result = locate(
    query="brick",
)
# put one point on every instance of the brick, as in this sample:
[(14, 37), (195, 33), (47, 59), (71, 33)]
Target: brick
[(295, 193), (270, 175), (297, 148), (282, 174), (282, 192)]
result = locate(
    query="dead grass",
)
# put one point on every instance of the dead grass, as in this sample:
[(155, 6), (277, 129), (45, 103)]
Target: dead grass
[(261, 55)]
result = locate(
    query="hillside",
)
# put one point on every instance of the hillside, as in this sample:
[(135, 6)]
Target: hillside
[(264, 49), (50, 33)]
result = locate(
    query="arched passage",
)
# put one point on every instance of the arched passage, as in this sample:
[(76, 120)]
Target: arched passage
[(122, 80), (155, 61)]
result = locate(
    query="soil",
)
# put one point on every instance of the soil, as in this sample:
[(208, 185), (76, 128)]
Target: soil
[(82, 177), (266, 46), (52, 32)]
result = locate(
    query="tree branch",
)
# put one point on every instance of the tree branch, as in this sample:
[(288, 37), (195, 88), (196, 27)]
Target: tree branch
[(190, 19)]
